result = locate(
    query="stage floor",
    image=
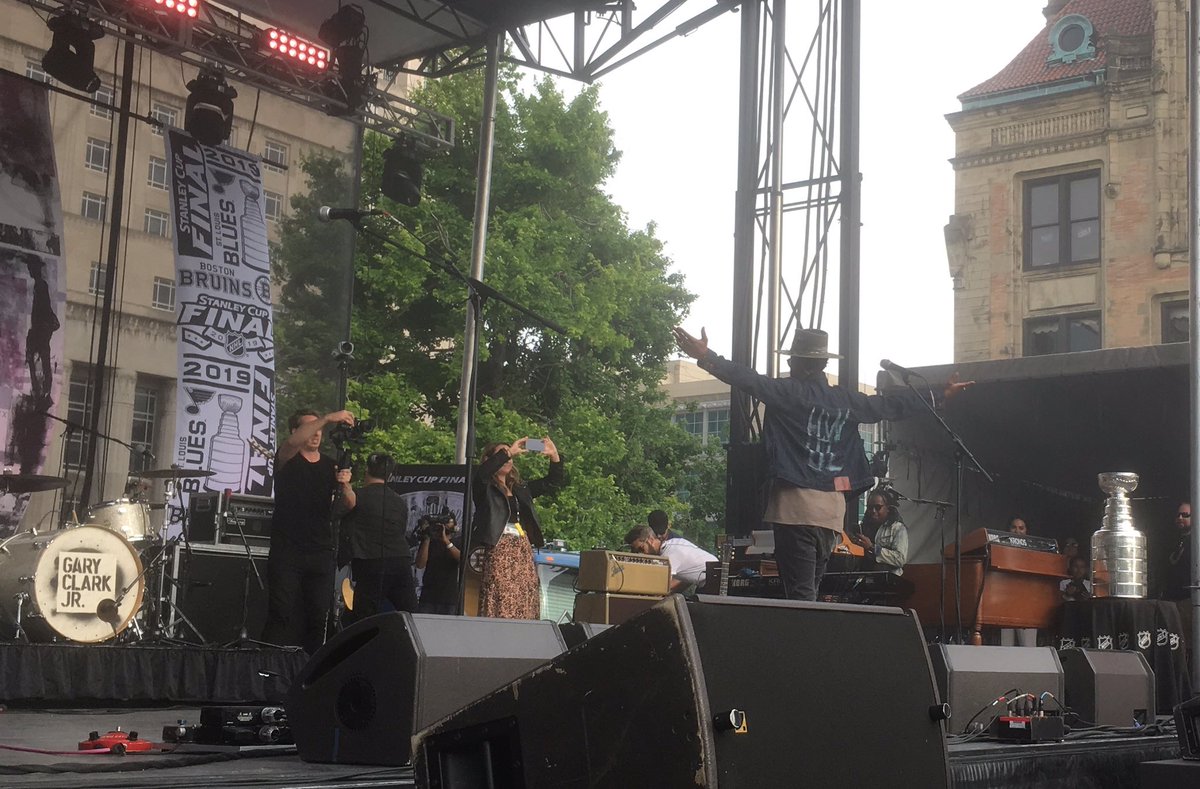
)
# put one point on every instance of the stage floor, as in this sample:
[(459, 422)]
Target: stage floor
[(1111, 761), (62, 731)]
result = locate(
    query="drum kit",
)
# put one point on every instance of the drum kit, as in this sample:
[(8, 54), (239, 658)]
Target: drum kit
[(94, 580)]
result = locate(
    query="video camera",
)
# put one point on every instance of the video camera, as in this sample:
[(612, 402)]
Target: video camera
[(433, 526), (342, 434)]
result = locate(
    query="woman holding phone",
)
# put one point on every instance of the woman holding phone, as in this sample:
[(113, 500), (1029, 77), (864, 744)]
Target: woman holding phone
[(506, 525)]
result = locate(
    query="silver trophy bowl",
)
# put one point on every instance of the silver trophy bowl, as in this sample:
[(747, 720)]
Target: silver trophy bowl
[(1118, 548)]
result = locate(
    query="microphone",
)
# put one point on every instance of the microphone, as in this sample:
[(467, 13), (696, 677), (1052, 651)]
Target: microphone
[(145, 451), (329, 214), (106, 611), (903, 372)]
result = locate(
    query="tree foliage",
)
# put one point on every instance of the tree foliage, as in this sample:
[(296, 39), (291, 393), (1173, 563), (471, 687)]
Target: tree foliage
[(556, 243)]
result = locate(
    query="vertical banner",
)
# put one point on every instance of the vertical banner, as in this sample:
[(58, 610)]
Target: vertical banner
[(33, 292), (225, 420)]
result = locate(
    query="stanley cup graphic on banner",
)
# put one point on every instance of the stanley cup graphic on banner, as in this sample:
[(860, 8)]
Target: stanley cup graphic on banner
[(223, 301)]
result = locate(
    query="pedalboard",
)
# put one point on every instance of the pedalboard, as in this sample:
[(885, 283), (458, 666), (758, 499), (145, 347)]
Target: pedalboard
[(1028, 728)]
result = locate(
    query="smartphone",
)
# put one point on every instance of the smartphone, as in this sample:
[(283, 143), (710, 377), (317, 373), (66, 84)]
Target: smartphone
[(535, 445)]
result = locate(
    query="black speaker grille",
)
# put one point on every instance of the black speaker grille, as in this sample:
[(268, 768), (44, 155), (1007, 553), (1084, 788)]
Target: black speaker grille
[(356, 703)]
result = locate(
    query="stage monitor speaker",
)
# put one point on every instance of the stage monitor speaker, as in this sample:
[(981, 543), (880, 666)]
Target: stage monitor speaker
[(371, 686), (721, 691), (575, 633), (970, 678), (1109, 687), (210, 586)]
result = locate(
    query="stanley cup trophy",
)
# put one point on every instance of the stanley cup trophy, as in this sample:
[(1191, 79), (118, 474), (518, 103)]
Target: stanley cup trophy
[(1118, 548)]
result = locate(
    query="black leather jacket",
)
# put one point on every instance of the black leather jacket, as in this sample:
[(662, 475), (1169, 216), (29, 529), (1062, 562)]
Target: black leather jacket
[(491, 505)]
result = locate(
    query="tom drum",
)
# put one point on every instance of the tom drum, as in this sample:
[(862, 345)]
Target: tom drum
[(64, 583), (131, 519)]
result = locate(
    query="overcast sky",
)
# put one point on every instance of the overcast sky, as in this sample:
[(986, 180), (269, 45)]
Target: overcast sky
[(674, 112)]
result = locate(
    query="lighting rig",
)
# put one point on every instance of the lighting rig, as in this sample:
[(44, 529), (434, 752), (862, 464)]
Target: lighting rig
[(335, 79)]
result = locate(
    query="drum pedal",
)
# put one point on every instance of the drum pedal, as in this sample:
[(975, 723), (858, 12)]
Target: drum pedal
[(118, 742)]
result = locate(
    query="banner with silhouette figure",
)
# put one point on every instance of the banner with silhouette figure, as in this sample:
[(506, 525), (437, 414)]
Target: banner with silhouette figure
[(226, 348), (33, 292)]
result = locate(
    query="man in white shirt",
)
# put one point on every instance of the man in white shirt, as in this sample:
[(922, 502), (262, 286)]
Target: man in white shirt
[(688, 561)]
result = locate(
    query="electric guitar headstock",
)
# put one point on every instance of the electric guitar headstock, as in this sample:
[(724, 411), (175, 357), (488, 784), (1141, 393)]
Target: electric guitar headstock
[(260, 449)]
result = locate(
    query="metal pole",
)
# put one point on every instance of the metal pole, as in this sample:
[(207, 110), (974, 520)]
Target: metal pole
[(1194, 321), (464, 436), (775, 226), (743, 223), (100, 371), (851, 199), (355, 196)]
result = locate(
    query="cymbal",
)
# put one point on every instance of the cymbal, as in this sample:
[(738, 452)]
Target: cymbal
[(30, 483), (172, 473)]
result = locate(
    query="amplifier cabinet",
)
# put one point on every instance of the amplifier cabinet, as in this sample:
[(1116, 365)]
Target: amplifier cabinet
[(624, 573), (602, 608), (209, 587), (252, 515)]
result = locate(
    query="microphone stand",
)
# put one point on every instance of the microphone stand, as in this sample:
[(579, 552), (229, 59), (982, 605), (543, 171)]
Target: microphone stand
[(961, 453), (72, 426), (477, 295)]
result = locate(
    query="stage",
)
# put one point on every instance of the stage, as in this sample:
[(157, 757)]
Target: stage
[(57, 694)]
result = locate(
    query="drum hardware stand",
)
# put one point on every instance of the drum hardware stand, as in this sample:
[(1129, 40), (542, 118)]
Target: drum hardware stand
[(243, 640), (19, 633)]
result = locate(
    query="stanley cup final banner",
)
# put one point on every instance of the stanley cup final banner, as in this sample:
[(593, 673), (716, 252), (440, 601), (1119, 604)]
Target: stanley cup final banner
[(33, 293), (226, 397)]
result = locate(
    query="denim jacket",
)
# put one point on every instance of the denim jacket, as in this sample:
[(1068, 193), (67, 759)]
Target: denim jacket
[(810, 431)]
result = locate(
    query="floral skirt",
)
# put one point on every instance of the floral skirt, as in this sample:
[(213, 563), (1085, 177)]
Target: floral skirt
[(510, 588)]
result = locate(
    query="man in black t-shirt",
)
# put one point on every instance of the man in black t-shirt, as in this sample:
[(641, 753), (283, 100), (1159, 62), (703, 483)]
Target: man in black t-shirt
[(379, 554), (440, 551), (300, 569)]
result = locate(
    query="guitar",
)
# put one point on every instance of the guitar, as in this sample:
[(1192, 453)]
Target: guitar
[(725, 557), (260, 449)]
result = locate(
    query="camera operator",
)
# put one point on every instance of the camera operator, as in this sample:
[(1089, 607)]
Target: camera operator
[(309, 491), (438, 556), (379, 554)]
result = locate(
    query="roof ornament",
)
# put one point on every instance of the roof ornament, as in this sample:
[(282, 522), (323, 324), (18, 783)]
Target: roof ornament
[(1071, 40)]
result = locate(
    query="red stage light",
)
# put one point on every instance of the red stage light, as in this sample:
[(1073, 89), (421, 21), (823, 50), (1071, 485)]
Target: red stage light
[(284, 43), (188, 8)]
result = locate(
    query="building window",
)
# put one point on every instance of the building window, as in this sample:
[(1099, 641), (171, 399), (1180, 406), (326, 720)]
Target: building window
[(1175, 321), (275, 156), (79, 403), (164, 114), (1071, 40), (145, 416), (95, 155), (34, 70), (156, 173), (1062, 220), (103, 94), (273, 203), (96, 279), (692, 422), (716, 426), (157, 223), (1062, 334), (93, 206), (163, 297)]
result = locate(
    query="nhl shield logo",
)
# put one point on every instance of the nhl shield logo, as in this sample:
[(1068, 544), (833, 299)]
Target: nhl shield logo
[(1143, 639), (1104, 642), (1123, 641)]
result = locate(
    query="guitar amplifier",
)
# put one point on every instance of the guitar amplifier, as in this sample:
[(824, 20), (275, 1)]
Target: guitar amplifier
[(252, 514), (626, 573), (602, 608)]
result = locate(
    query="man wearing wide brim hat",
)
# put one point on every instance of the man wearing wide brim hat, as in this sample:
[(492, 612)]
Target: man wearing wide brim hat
[(815, 456)]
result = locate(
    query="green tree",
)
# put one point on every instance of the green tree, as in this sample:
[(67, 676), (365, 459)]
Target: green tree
[(557, 243)]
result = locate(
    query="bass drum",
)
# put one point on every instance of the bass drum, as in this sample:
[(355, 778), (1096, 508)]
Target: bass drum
[(64, 583)]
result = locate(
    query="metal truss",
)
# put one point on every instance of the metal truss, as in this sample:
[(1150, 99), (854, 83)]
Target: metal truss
[(233, 44), (584, 45)]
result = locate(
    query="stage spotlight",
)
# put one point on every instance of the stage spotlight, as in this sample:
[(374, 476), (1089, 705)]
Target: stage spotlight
[(188, 8), (72, 53), (402, 173), (209, 114), (347, 24), (298, 50)]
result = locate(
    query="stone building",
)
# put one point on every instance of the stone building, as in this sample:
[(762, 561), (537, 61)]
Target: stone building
[(1070, 223)]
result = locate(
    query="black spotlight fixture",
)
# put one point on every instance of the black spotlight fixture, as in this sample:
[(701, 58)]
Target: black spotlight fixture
[(209, 114), (72, 54), (346, 35), (402, 173)]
